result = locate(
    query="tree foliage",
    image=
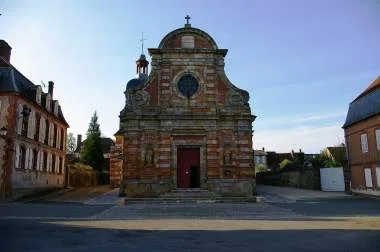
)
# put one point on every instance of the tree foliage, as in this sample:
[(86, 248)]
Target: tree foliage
[(284, 163), (70, 143), (91, 152)]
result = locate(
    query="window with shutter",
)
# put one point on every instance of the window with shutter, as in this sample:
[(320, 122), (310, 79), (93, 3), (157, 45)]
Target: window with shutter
[(17, 158), (37, 127), (19, 119), (377, 133), (364, 142)]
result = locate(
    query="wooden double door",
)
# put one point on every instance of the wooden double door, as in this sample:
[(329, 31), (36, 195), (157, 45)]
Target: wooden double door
[(188, 170)]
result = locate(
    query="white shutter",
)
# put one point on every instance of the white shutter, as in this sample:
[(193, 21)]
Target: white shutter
[(40, 130), (56, 164), (63, 165), (31, 122), (26, 165), (58, 137), (43, 131), (31, 158), (378, 176), (42, 161), (19, 119), (364, 142), (64, 141), (368, 177), (378, 140), (17, 158)]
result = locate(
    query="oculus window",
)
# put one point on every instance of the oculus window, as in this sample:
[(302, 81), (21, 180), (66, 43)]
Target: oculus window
[(188, 85)]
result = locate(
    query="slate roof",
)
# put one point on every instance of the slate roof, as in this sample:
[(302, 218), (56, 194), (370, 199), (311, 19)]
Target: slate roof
[(11, 80), (140, 79), (366, 105)]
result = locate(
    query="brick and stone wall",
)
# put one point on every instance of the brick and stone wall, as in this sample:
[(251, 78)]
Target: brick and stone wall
[(359, 161), (158, 120)]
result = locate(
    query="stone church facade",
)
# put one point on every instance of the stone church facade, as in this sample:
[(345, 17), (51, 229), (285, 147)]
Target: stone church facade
[(185, 125)]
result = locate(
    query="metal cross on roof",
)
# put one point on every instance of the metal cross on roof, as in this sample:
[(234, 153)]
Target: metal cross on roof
[(187, 19), (142, 43)]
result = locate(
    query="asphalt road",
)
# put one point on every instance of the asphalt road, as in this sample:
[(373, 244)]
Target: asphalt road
[(309, 225)]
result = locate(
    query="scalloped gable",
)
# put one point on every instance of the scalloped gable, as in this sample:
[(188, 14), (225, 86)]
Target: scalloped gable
[(201, 39)]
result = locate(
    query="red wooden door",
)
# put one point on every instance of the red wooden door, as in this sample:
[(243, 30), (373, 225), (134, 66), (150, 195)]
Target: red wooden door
[(186, 158)]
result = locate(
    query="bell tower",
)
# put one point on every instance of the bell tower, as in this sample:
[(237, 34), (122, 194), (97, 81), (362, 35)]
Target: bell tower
[(142, 63)]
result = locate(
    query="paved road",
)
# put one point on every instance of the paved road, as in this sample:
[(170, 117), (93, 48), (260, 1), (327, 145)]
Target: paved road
[(312, 224)]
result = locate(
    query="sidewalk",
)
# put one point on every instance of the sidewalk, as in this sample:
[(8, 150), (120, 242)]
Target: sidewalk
[(294, 194)]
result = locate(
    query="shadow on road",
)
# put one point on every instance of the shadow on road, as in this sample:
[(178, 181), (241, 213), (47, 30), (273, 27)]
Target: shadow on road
[(37, 236)]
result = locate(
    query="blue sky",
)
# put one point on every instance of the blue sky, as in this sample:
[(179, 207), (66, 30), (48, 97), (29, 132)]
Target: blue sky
[(302, 62)]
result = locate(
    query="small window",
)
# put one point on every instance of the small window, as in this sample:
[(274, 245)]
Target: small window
[(187, 42), (377, 133), (364, 142)]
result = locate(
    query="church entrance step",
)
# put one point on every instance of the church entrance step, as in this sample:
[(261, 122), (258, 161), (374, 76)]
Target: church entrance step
[(189, 193), (161, 200)]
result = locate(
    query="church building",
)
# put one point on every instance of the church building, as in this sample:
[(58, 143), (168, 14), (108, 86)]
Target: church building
[(184, 125)]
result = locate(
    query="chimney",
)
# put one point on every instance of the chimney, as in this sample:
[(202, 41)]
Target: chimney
[(51, 88), (79, 142), (5, 51), (263, 149)]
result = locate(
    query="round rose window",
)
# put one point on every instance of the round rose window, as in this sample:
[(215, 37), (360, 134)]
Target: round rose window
[(188, 85)]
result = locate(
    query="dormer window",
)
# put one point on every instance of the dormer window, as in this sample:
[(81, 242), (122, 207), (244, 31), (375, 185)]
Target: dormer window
[(187, 42), (56, 105), (38, 95), (48, 102)]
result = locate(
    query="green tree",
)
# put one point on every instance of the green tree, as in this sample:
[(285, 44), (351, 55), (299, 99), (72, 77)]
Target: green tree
[(91, 152), (70, 143)]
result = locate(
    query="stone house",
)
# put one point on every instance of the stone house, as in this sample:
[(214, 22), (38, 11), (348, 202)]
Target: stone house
[(362, 134), (185, 125), (33, 133)]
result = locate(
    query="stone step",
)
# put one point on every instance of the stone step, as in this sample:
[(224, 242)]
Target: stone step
[(162, 200), (190, 193)]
